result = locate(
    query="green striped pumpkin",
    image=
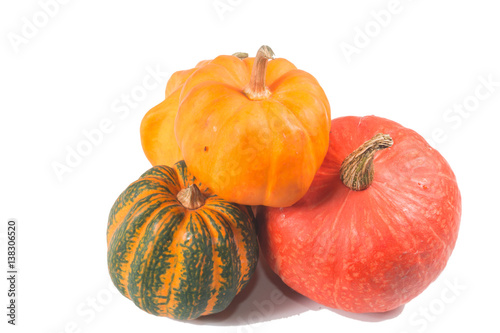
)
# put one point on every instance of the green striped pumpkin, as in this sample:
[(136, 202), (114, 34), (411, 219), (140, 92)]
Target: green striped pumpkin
[(175, 248)]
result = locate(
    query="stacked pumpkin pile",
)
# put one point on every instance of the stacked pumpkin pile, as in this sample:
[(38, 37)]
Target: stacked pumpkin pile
[(359, 214)]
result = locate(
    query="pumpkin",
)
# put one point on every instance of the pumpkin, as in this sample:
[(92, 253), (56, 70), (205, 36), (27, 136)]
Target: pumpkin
[(254, 130), (157, 126), (175, 248), (377, 225)]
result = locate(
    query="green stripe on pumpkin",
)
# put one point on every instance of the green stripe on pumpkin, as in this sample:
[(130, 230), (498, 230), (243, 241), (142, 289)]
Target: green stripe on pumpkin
[(247, 229), (225, 248), (126, 237), (197, 270), (150, 261)]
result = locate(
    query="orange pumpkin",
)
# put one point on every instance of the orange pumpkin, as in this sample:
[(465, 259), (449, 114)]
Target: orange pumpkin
[(157, 126), (254, 130)]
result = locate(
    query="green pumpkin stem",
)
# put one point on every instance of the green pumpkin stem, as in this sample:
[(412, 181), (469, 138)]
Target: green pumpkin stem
[(257, 89), (191, 197), (356, 171)]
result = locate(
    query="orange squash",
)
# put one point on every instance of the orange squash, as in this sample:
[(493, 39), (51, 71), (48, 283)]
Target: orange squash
[(157, 126), (254, 130)]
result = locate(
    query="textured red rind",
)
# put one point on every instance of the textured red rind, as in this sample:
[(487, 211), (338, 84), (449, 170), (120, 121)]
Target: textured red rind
[(370, 250)]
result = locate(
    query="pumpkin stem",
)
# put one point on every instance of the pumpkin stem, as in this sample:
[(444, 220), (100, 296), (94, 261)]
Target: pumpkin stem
[(191, 197), (356, 171), (257, 89), (240, 55)]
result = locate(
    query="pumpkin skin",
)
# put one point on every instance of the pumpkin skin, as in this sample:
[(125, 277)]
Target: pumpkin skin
[(178, 262), (253, 150), (157, 126), (371, 250)]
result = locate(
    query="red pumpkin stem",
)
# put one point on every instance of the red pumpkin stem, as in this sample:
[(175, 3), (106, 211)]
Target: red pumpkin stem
[(356, 171), (191, 197), (257, 89)]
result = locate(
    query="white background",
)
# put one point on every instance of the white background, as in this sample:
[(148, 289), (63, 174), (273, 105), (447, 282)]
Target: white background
[(79, 64)]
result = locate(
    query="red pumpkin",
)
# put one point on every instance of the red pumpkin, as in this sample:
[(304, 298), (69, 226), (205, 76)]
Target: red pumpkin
[(374, 229)]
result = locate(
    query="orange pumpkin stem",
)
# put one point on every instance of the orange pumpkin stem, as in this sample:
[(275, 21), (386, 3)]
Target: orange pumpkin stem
[(356, 171), (257, 89), (191, 197)]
